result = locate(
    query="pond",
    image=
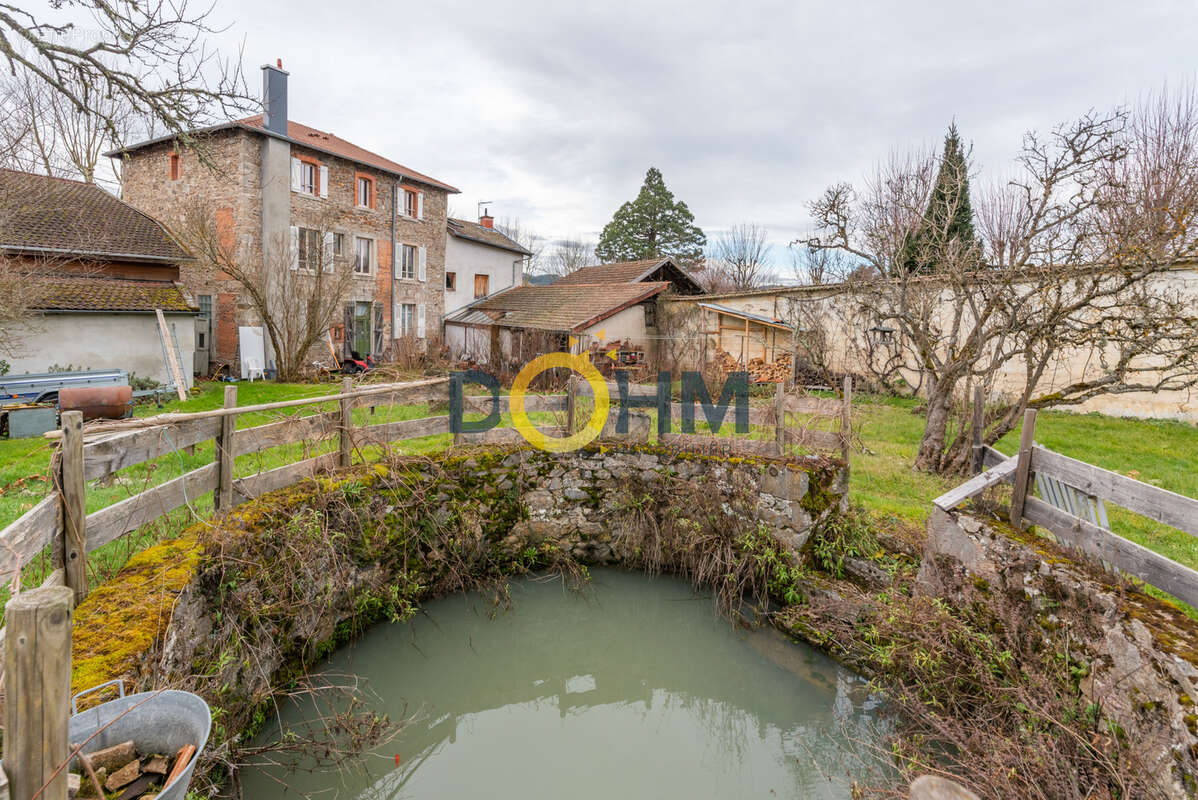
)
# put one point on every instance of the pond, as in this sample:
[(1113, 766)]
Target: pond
[(630, 688)]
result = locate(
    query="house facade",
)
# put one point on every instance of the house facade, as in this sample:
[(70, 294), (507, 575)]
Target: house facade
[(94, 272), (289, 196)]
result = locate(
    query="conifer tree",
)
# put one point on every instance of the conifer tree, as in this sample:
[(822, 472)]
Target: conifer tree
[(651, 226), (947, 228)]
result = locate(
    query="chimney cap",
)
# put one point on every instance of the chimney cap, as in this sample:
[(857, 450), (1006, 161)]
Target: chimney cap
[(276, 67)]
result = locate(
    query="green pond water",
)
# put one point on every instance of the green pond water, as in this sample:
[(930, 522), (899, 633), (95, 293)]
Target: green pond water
[(631, 688)]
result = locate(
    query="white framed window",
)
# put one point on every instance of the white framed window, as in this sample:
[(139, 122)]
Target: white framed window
[(308, 174), (407, 261), (308, 246), (364, 191), (407, 319), (363, 255), (413, 204)]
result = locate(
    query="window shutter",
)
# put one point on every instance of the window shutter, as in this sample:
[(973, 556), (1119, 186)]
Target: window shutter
[(295, 174), (423, 264), (420, 205), (326, 255), (396, 320), (374, 255), (378, 329), (420, 321), (324, 182), (294, 255)]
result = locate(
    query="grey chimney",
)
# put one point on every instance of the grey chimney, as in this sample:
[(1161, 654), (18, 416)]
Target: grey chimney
[(274, 98)]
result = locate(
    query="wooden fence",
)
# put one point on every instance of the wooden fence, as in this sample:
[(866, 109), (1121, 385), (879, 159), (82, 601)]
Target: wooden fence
[(1097, 484), (61, 522)]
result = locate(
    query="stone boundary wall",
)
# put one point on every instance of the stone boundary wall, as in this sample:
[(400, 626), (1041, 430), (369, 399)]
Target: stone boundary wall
[(1139, 649)]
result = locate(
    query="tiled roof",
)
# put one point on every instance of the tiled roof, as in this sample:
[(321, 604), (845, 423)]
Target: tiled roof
[(320, 140), (565, 308), (474, 232), (619, 272), (308, 137), (41, 214), (103, 294)]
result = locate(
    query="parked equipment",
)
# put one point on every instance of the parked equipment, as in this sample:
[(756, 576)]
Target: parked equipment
[(44, 387)]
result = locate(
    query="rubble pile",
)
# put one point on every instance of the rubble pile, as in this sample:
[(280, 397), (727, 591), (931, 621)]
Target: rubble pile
[(119, 772)]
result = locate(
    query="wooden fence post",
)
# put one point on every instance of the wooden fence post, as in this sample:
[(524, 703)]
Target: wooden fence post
[(74, 505), (1023, 468), (346, 424), (979, 425), (37, 666), (571, 404), (780, 417), (223, 499), (846, 426)]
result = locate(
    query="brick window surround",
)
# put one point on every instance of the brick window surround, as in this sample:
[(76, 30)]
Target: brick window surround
[(176, 166), (309, 175), (364, 193)]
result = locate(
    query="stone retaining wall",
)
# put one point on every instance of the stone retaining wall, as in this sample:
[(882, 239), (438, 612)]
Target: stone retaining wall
[(1138, 649)]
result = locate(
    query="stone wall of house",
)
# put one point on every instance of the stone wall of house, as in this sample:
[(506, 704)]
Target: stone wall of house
[(225, 175), (1137, 648), (225, 179)]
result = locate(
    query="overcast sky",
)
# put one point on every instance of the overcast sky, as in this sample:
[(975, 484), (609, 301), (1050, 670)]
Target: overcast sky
[(554, 110)]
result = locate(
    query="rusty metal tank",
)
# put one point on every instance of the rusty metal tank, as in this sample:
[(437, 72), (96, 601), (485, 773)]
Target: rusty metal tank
[(97, 402)]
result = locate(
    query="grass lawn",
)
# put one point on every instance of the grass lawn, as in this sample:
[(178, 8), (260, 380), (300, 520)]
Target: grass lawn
[(1157, 452)]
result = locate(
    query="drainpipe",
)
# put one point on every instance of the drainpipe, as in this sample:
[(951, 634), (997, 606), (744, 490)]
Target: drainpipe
[(394, 220)]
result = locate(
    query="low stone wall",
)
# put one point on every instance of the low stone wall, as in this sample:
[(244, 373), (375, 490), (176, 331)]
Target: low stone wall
[(241, 605), (1139, 650)]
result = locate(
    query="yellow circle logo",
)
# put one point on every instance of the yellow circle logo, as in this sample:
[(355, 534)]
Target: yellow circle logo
[(553, 444)]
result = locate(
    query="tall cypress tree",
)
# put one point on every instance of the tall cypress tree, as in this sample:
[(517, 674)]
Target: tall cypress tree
[(651, 226), (947, 225)]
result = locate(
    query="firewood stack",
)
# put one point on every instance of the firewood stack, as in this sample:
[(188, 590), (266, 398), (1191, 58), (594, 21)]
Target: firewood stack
[(760, 371), (126, 775)]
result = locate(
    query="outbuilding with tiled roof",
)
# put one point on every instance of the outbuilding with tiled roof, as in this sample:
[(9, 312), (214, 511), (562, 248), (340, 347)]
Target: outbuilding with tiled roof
[(97, 271)]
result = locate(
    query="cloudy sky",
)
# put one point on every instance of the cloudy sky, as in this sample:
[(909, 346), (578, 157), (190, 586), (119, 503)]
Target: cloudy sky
[(552, 111)]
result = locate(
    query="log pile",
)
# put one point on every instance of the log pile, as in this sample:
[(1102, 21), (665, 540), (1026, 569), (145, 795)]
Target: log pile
[(760, 371), (125, 774)]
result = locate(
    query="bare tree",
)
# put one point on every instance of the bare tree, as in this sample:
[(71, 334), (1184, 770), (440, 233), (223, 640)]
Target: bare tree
[(1077, 246), (814, 266), (42, 131), (150, 56), (743, 255), (298, 289), (513, 229), (570, 255)]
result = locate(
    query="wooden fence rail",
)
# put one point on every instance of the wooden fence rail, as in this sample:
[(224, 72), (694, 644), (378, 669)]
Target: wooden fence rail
[(1161, 505), (59, 520)]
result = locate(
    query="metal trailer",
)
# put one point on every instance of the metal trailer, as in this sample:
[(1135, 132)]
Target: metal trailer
[(44, 387)]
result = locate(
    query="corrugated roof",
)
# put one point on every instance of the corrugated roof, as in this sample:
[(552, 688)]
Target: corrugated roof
[(57, 215), (481, 234), (565, 308), (733, 312), (307, 136), (618, 272), (68, 293)]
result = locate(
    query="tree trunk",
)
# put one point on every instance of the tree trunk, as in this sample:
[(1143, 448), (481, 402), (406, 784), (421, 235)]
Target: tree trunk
[(931, 445)]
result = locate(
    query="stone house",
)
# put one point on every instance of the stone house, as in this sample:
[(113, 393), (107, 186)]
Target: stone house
[(288, 195), (93, 271)]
